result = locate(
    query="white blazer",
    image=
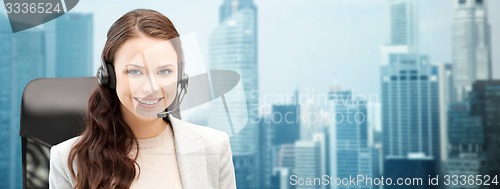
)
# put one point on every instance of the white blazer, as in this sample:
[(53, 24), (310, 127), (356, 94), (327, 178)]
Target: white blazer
[(203, 155)]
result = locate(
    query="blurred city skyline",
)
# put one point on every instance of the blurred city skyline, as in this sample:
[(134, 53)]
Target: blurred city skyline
[(319, 49)]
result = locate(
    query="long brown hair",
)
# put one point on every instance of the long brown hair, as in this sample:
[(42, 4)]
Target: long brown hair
[(102, 152)]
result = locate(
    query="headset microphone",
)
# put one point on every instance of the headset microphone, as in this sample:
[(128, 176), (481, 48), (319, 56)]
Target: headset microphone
[(166, 113), (184, 83)]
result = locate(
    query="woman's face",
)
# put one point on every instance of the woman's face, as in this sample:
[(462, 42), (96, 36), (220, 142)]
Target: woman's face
[(146, 76)]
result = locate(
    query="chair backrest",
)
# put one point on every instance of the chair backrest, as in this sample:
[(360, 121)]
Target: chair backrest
[(52, 111)]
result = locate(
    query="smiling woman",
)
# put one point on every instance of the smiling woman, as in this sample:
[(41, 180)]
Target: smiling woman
[(150, 77), (125, 144)]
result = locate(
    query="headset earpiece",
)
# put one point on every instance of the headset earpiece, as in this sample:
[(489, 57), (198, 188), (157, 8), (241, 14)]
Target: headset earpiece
[(184, 82), (106, 76), (102, 77), (112, 76)]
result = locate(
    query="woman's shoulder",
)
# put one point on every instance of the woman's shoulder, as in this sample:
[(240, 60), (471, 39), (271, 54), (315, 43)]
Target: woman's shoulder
[(61, 151), (59, 174), (66, 145)]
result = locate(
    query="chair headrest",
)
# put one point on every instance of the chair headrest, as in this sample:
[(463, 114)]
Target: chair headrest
[(53, 109)]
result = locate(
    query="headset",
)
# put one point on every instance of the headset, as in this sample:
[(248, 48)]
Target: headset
[(106, 77)]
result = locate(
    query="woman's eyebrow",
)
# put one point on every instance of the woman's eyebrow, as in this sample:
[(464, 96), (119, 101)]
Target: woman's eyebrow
[(134, 65), (139, 66), (165, 66)]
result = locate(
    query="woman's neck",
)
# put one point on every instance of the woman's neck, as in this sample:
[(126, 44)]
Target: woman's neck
[(143, 128)]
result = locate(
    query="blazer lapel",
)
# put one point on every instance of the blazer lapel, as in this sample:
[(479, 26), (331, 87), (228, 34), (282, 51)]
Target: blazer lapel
[(191, 157)]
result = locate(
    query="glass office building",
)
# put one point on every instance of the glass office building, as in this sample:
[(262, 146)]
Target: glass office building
[(233, 46)]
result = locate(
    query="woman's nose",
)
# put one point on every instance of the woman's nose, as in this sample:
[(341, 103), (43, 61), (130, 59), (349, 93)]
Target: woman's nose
[(151, 86)]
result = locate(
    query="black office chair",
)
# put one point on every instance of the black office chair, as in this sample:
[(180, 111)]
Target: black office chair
[(52, 111)]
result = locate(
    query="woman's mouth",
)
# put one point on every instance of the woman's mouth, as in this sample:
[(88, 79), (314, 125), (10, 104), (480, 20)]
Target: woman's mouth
[(148, 102)]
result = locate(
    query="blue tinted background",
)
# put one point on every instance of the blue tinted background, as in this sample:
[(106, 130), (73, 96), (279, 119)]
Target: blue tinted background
[(305, 46)]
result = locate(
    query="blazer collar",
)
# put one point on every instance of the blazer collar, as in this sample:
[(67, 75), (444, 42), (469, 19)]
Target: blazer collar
[(183, 128), (191, 156)]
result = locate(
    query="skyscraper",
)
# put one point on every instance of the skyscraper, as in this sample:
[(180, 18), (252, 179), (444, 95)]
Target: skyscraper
[(233, 46), (74, 43), (280, 179), (285, 156), (266, 153), (465, 164), (445, 98), (486, 104), (404, 28), (466, 133), (368, 165), (285, 124), (404, 23), (28, 63), (410, 106), (281, 127), (466, 139), (308, 160), (307, 125), (282, 164), (22, 59), (471, 46), (5, 102), (350, 154), (410, 116)]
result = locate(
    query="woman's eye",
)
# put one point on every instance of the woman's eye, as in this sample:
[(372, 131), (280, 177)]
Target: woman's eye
[(134, 72), (164, 72)]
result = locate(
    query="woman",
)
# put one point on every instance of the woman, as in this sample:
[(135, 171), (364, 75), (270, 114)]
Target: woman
[(124, 144)]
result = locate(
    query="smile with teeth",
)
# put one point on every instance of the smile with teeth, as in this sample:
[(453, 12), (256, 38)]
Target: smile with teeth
[(148, 102)]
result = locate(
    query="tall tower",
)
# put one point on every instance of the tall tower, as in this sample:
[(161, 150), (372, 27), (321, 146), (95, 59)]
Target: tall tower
[(350, 154), (471, 46), (233, 46), (5, 101), (404, 29), (74, 44), (404, 23), (410, 108), (308, 161), (285, 124), (486, 104), (410, 117), (22, 59)]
